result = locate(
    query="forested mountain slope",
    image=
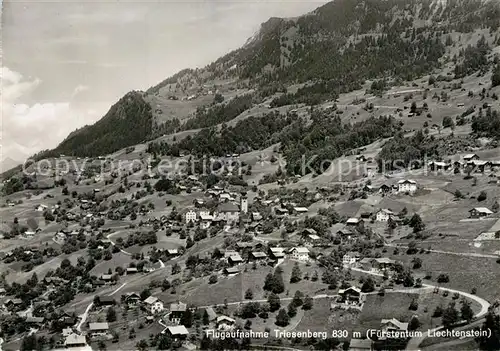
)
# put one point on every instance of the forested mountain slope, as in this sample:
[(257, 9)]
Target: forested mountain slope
[(331, 50)]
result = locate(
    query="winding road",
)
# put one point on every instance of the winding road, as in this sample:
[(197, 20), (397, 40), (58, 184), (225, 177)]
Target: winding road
[(415, 342)]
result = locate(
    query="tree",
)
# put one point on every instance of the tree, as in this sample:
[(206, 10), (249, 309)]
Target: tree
[(142, 345), (212, 279), (218, 98), (450, 315), (145, 294), (187, 318), (413, 107), (417, 263), (495, 77), (101, 345), (495, 207), (282, 319), (414, 323), (274, 282), (466, 311), (249, 294), (438, 312), (368, 285), (482, 196), (448, 122), (205, 318), (416, 223), (413, 305), (491, 323), (292, 310), (298, 298), (111, 315), (296, 274), (248, 324), (443, 278), (274, 302), (164, 342), (165, 285), (308, 303)]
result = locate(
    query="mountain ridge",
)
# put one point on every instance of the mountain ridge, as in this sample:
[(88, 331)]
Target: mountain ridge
[(341, 43)]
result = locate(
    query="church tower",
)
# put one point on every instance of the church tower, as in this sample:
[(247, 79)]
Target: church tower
[(243, 203)]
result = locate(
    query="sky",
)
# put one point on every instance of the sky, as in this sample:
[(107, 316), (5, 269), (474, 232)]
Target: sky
[(65, 62)]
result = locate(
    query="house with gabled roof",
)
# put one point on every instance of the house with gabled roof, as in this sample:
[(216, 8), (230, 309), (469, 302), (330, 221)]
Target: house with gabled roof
[(228, 212), (391, 325), (225, 323), (177, 310), (345, 234), (439, 165), (350, 296), (299, 253), (257, 256), (353, 222), (231, 271), (480, 212), (235, 260), (153, 305), (407, 186), (73, 340), (276, 253), (177, 332), (98, 329), (470, 157), (383, 215), (132, 298), (350, 257)]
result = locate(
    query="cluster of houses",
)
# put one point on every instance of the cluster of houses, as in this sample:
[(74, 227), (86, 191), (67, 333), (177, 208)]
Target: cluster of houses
[(227, 211), (380, 264), (469, 160), (273, 254)]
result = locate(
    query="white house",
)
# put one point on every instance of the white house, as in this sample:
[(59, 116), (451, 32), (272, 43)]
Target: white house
[(383, 215), (350, 258), (203, 212), (300, 253), (29, 234), (407, 186), (41, 208), (190, 216), (300, 210), (60, 238), (225, 323), (154, 305)]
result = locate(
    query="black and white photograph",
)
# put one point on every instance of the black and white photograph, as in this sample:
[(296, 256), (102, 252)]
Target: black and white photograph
[(280, 175)]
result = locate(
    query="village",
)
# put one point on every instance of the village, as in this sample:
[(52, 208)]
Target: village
[(255, 231)]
